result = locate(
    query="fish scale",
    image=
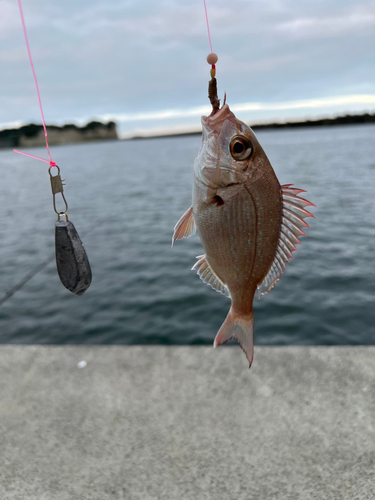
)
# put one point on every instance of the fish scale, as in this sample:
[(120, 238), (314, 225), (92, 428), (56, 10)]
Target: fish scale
[(221, 238)]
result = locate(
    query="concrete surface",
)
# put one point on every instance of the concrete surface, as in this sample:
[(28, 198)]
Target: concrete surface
[(160, 423)]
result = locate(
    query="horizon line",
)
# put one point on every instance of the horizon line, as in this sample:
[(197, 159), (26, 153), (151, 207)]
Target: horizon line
[(167, 114)]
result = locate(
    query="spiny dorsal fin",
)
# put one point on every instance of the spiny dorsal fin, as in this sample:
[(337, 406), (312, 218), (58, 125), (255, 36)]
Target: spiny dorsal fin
[(185, 227), (292, 222), (207, 275)]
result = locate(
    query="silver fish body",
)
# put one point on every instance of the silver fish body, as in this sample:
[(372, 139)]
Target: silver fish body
[(247, 221)]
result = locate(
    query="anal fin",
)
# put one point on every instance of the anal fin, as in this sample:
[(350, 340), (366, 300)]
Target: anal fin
[(207, 275), (185, 227)]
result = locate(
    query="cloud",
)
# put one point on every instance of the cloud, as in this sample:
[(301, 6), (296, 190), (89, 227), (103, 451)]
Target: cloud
[(10, 125), (19, 54), (358, 20), (247, 106), (16, 54), (166, 114), (159, 131), (9, 18), (170, 121), (146, 60), (308, 103)]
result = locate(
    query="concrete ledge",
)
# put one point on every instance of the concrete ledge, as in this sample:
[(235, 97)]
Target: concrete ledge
[(191, 423)]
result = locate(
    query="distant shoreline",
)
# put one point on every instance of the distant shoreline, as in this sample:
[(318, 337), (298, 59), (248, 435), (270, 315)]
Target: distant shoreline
[(33, 135), (362, 119)]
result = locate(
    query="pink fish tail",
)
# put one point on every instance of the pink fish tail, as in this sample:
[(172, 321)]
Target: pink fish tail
[(239, 327)]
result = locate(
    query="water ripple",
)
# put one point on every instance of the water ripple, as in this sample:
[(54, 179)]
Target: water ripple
[(124, 200)]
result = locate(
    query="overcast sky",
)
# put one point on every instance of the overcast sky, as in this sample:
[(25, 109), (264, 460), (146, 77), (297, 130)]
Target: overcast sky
[(143, 63)]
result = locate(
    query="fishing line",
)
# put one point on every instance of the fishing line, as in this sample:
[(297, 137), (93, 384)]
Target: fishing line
[(208, 25), (36, 157), (212, 59), (9, 293), (36, 85), (72, 263)]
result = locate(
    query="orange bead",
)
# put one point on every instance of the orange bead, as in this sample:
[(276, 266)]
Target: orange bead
[(212, 58)]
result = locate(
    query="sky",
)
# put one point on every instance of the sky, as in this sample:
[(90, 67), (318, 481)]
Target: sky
[(143, 63)]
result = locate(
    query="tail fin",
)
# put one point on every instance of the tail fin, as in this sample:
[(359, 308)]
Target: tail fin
[(240, 328)]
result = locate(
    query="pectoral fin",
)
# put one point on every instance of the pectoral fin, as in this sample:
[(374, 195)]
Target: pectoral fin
[(185, 227), (290, 230)]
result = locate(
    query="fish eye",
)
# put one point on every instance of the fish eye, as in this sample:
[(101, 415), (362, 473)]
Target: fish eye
[(240, 148)]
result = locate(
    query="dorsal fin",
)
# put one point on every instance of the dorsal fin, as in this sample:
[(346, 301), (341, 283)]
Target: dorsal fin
[(185, 227), (292, 222), (207, 275)]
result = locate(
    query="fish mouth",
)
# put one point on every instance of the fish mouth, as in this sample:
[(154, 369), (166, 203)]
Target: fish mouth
[(214, 120)]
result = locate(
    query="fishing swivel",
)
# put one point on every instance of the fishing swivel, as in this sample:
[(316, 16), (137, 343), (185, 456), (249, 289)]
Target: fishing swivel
[(57, 187)]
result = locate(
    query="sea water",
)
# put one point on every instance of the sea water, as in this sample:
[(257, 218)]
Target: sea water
[(125, 198)]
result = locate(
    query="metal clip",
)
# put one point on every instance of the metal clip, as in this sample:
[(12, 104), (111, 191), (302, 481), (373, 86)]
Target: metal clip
[(60, 214), (56, 184), (57, 187)]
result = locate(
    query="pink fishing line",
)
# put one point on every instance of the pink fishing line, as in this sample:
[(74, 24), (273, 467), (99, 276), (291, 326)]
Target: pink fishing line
[(52, 163), (208, 25)]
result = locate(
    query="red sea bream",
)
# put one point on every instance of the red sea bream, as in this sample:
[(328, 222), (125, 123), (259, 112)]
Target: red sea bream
[(248, 223)]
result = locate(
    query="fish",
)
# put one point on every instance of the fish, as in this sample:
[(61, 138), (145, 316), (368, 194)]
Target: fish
[(248, 223)]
